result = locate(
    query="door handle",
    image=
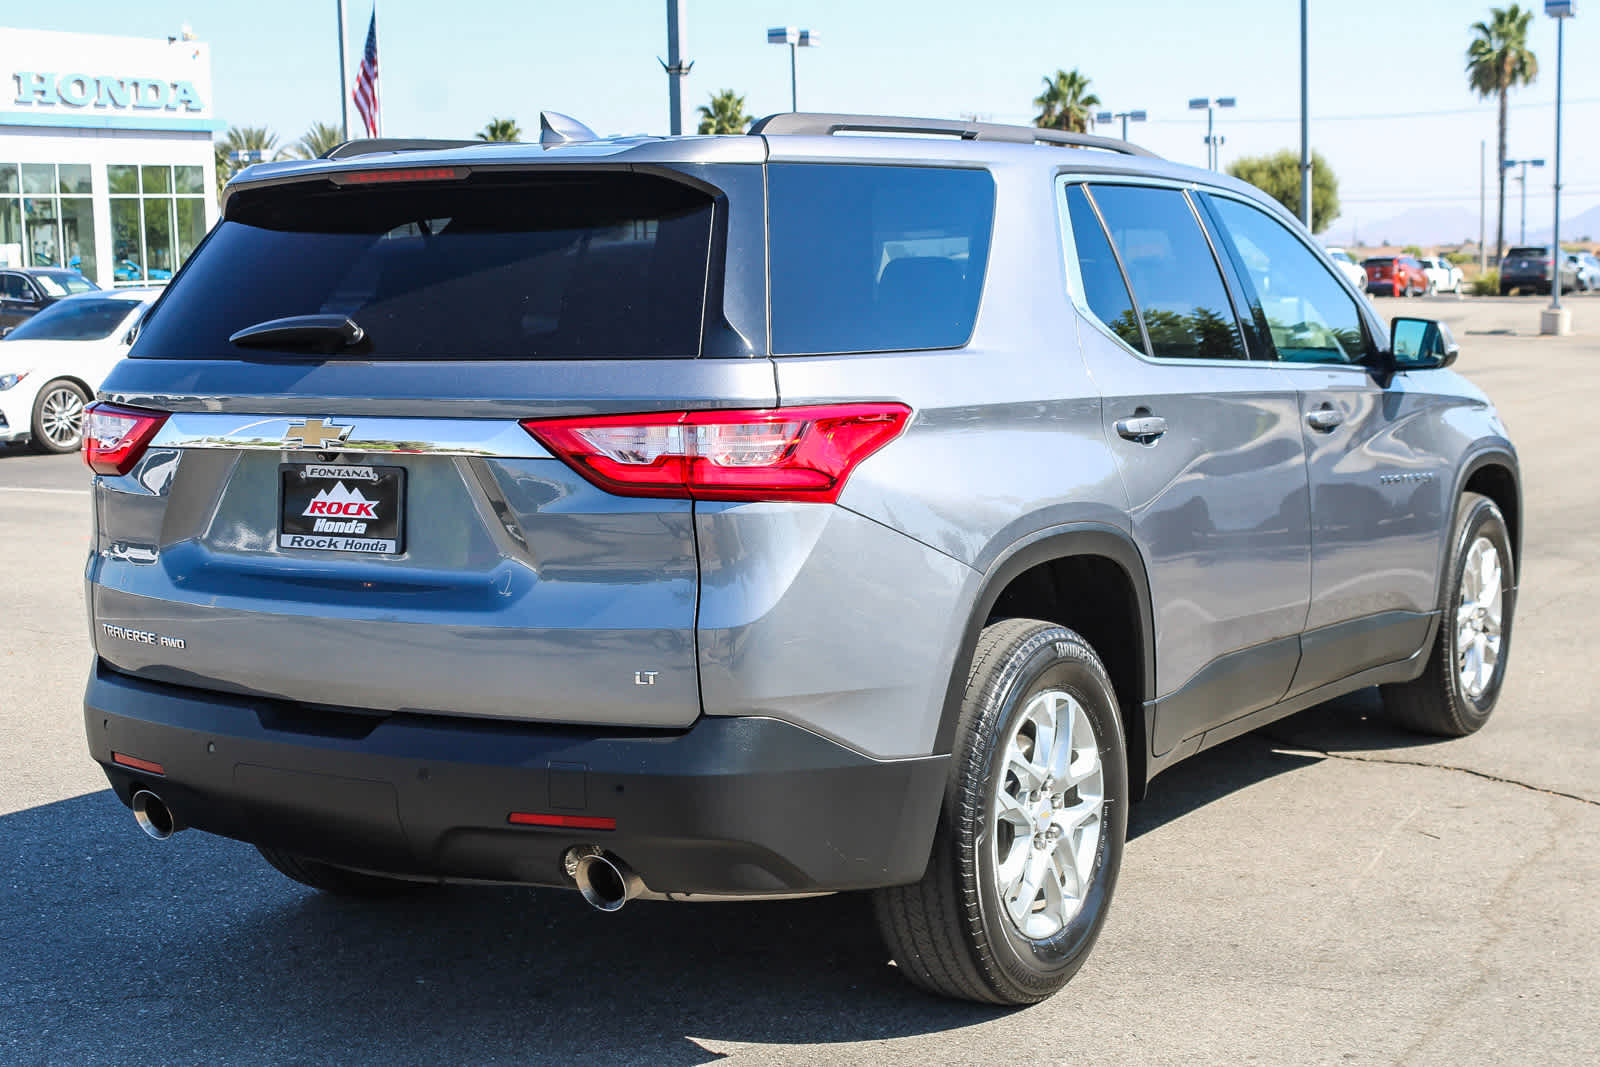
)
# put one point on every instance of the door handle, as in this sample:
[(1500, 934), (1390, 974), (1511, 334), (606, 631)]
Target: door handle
[(1143, 429), (1324, 419)]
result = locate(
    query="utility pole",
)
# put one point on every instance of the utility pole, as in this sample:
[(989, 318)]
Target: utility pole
[(1305, 124), (344, 87), (675, 67), (1483, 192)]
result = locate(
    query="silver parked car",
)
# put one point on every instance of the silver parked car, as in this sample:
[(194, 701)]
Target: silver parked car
[(765, 516)]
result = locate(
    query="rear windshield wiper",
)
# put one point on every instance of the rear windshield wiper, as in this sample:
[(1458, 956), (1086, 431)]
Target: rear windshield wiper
[(324, 333)]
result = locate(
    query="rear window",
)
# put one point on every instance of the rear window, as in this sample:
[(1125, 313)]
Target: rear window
[(525, 266), (875, 259), (1377, 261), (1531, 252), (74, 320)]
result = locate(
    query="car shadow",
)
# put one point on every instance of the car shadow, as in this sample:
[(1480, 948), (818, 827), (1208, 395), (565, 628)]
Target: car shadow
[(193, 948)]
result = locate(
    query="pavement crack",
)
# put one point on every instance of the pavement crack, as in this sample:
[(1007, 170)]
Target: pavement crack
[(1292, 747)]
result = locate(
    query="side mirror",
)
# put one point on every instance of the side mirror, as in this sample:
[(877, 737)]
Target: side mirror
[(1421, 344)]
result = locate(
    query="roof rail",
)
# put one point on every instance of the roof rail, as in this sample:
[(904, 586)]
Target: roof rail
[(821, 124), (374, 145)]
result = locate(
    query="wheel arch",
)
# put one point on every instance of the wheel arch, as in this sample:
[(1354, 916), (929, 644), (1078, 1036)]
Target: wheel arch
[(1037, 578), (1493, 473)]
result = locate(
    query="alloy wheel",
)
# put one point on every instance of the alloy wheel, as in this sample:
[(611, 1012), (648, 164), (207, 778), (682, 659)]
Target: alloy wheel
[(1047, 814), (61, 417), (1479, 615)]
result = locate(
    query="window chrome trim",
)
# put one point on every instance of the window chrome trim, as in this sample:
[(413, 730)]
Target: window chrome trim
[(497, 438)]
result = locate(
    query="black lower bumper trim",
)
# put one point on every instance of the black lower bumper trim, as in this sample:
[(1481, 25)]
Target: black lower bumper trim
[(728, 806)]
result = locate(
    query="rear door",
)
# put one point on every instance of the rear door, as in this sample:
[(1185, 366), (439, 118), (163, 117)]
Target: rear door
[(368, 525), (1379, 480), (1208, 445)]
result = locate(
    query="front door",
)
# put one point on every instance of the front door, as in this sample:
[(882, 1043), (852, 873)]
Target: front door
[(1209, 448), (1377, 471)]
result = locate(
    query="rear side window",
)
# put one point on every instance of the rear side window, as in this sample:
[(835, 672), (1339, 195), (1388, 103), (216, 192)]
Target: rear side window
[(524, 266), (1103, 287), (874, 259), (1174, 275)]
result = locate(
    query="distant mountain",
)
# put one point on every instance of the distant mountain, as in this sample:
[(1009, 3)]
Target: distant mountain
[(1583, 226), (1414, 226)]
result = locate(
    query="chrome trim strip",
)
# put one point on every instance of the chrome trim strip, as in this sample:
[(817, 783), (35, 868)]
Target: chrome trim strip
[(434, 437)]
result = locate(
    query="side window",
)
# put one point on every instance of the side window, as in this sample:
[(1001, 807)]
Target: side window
[(14, 287), (1311, 317), (1104, 289), (1175, 279)]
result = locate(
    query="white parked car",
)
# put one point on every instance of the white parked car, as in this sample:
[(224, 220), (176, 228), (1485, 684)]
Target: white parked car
[(52, 364), (1349, 267), (1443, 275)]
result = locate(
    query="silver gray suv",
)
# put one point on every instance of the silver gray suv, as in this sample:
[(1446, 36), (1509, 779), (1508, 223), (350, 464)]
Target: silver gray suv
[(762, 516)]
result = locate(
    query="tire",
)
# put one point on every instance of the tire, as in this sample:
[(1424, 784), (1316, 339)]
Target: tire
[(953, 933), (58, 417), (339, 881), (1441, 701)]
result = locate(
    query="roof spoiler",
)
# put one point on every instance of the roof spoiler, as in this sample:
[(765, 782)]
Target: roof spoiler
[(369, 146), (822, 124)]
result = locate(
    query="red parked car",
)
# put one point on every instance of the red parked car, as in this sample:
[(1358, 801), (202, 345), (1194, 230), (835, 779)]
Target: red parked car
[(1395, 276)]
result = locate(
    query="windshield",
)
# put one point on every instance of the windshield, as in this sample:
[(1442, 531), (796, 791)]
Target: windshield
[(64, 283), (526, 266), (74, 320)]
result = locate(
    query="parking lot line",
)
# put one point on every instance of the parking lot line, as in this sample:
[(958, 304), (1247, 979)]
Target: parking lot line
[(30, 489)]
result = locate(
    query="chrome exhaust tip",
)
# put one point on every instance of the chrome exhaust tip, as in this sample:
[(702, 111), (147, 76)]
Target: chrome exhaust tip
[(605, 881), (153, 815)]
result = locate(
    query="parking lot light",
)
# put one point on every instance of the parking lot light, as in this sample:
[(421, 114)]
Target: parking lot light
[(1214, 140), (795, 39), (1125, 116), (1522, 179)]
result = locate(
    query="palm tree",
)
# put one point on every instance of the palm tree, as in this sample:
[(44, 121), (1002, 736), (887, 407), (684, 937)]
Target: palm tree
[(243, 139), (318, 141), (500, 130), (725, 113), (1066, 103), (1498, 60)]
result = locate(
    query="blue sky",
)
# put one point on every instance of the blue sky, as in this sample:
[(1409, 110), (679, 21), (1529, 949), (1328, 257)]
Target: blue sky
[(1376, 66)]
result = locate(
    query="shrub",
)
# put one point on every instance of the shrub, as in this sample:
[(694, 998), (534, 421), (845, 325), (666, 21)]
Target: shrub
[(1486, 284)]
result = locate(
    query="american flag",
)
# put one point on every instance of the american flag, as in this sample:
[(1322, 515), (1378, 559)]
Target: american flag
[(366, 90)]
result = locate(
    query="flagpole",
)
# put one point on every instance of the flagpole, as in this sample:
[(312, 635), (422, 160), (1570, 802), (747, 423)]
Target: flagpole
[(344, 84)]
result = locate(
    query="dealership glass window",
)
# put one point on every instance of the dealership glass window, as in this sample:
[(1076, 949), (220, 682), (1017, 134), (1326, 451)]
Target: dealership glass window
[(157, 218), (51, 222)]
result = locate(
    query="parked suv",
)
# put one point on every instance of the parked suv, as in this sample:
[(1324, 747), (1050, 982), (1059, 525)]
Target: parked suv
[(1531, 268), (764, 516)]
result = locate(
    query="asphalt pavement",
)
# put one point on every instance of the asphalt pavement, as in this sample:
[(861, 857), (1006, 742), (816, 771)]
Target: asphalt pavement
[(1325, 890)]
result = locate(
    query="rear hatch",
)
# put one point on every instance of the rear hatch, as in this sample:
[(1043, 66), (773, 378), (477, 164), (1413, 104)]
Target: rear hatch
[(345, 511), (1527, 263), (1379, 269)]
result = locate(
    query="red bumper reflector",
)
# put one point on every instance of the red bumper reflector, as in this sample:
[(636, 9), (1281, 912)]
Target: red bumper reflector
[(136, 763), (568, 822)]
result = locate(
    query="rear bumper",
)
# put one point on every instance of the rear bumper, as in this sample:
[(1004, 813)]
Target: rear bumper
[(729, 806)]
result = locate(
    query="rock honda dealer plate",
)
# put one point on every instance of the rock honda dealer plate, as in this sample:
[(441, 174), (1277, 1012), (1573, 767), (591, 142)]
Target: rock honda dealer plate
[(342, 508)]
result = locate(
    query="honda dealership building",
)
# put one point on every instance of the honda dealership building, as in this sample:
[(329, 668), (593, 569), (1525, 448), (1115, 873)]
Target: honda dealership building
[(106, 161)]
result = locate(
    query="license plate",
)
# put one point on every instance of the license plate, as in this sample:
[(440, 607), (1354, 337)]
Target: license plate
[(342, 508)]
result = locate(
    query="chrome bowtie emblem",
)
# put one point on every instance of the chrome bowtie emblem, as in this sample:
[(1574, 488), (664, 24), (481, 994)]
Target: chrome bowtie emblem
[(314, 433)]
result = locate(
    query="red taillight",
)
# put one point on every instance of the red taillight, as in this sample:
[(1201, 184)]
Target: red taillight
[(115, 437), (803, 453), (565, 822)]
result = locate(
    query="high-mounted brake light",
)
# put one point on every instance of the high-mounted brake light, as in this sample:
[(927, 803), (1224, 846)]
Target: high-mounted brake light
[(564, 822), (115, 437), (802, 453), (399, 174)]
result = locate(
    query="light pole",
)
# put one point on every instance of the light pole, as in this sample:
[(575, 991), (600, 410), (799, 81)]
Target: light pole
[(1556, 319), (1125, 116), (1305, 126), (344, 87), (795, 39), (675, 66), (1522, 180), (1209, 105)]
